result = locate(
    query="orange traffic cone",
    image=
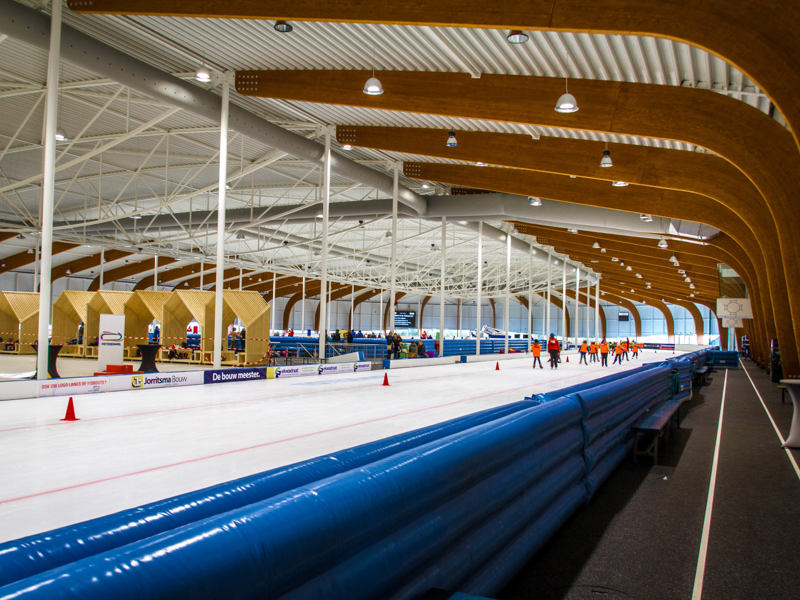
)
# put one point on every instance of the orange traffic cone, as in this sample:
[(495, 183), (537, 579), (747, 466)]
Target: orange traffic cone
[(568, 359), (70, 416), (497, 366), (385, 379)]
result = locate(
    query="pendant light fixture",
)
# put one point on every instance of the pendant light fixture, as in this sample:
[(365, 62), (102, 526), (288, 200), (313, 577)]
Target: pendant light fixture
[(620, 184), (566, 102), (596, 245), (534, 201), (517, 37), (451, 142), (605, 162), (662, 243), (282, 27), (203, 75), (373, 86)]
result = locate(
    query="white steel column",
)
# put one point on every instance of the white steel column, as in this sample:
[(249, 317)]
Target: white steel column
[(564, 302), (202, 271), (508, 285), (326, 200), (441, 295), (597, 308), (352, 307), (240, 279), (155, 272), (530, 301), (36, 270), (588, 307), (272, 308), (393, 266), (102, 266), (577, 303), (480, 288), (48, 189), (221, 189), (546, 331), (303, 310)]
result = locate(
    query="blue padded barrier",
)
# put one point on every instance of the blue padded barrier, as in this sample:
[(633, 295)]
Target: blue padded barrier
[(437, 541), (268, 548), (723, 358), (547, 396), (538, 512), (609, 411), (40, 552), (493, 575)]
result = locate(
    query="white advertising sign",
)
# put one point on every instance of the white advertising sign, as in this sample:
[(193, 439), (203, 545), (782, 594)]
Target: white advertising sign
[(110, 341), (734, 308), (73, 385)]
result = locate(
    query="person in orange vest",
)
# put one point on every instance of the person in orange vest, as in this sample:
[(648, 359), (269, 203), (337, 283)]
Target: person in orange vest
[(604, 353), (554, 349), (635, 349), (593, 348), (618, 352), (583, 350), (536, 350)]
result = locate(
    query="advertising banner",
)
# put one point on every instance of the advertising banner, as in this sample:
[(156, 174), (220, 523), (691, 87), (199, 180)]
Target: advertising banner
[(291, 371), (109, 341), (227, 375), (73, 385), (326, 369), (144, 381)]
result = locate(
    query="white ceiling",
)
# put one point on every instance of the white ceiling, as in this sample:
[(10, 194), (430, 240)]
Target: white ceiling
[(171, 165)]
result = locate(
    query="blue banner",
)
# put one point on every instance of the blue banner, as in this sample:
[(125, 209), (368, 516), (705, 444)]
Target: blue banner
[(228, 375)]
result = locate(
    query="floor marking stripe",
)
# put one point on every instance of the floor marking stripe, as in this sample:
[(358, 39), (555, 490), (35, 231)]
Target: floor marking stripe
[(771, 420), (257, 446), (697, 591)]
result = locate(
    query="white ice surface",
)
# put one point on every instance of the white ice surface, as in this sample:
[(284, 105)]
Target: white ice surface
[(134, 447)]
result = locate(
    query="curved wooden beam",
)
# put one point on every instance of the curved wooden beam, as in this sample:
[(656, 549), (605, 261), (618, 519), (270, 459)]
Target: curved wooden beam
[(87, 262), (422, 306), (129, 270), (557, 302), (633, 199), (571, 294), (627, 304), (363, 297), (624, 108), (15, 261), (338, 290), (313, 288), (397, 296)]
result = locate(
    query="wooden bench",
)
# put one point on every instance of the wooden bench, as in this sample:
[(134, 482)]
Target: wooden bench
[(701, 373), (656, 423)]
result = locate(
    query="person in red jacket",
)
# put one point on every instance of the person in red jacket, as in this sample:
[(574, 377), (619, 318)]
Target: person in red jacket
[(554, 349), (536, 350)]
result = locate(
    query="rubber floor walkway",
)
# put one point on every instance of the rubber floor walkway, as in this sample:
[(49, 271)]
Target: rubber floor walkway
[(640, 537)]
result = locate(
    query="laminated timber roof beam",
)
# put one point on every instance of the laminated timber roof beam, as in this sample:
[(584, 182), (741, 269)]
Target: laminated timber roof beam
[(757, 37), (758, 146), (766, 282)]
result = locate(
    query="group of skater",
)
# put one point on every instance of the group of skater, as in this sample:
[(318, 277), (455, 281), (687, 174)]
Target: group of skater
[(619, 349)]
